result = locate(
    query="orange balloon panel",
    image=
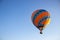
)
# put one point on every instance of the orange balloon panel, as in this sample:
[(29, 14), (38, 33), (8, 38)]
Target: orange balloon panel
[(34, 14)]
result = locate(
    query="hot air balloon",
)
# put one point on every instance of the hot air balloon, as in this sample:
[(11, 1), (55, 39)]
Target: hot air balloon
[(40, 18)]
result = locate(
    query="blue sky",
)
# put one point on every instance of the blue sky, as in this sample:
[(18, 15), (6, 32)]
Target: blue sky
[(15, 20)]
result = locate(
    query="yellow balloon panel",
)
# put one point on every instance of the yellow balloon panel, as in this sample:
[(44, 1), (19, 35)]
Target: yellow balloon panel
[(46, 22)]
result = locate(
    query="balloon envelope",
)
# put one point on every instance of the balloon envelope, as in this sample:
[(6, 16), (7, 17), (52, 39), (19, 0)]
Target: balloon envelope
[(40, 18)]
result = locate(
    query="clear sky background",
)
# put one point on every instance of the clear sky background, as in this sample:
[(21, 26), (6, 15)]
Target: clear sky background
[(15, 20)]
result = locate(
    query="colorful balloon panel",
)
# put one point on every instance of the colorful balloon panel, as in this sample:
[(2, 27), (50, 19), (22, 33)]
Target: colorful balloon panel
[(40, 17)]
